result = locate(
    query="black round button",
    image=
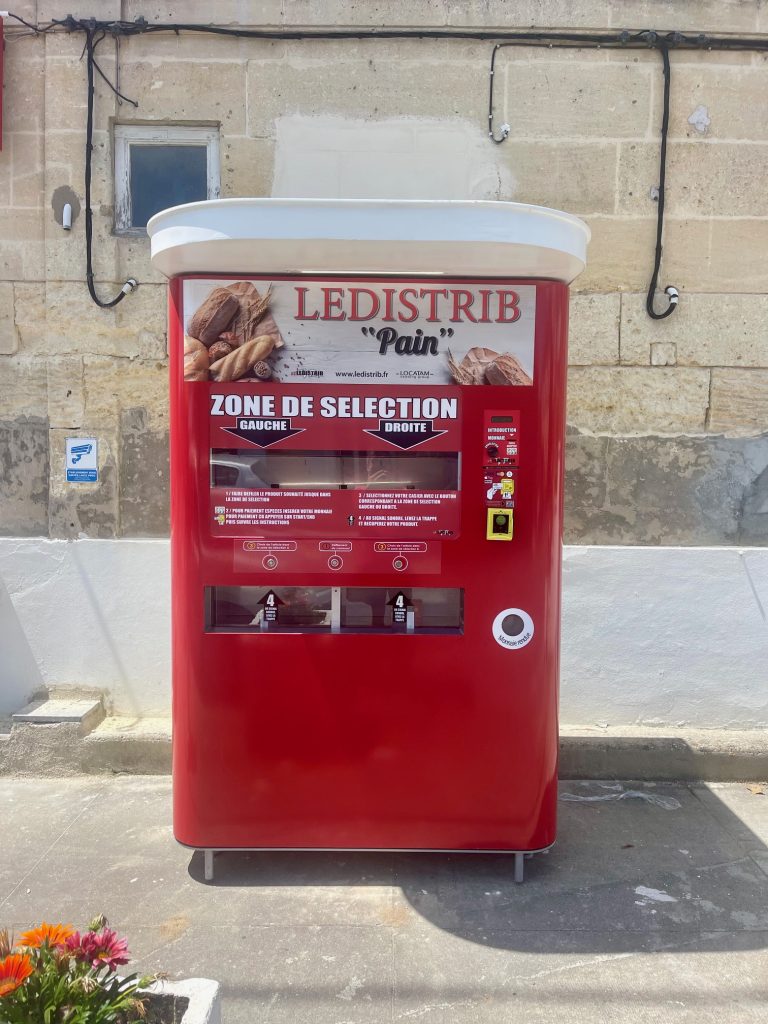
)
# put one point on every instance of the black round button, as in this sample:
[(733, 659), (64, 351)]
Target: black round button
[(512, 625), (492, 449)]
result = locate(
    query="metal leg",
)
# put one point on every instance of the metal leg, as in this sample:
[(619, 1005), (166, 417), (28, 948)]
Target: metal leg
[(519, 866), (208, 865)]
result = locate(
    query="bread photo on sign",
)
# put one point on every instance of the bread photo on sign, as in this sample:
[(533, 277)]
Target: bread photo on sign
[(213, 316), (484, 366), (231, 335)]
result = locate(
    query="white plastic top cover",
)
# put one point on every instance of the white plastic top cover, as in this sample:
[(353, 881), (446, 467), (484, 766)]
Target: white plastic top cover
[(368, 236)]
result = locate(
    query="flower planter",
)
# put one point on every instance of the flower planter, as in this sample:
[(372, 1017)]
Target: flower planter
[(192, 1001), (55, 972)]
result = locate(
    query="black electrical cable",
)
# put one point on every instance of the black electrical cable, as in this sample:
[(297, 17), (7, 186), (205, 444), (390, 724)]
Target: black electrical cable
[(609, 40), (505, 129), (622, 39), (662, 45), (114, 88), (671, 291), (131, 283), (565, 40), (28, 24)]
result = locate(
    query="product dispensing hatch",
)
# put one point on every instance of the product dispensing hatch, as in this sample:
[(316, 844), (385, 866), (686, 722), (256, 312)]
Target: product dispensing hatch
[(367, 432)]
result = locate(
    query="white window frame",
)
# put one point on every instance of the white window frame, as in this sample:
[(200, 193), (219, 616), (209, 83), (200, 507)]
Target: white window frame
[(160, 135)]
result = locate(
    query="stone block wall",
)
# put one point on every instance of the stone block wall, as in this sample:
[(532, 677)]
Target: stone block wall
[(667, 419)]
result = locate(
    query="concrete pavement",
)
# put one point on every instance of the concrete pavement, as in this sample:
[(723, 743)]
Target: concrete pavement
[(647, 910)]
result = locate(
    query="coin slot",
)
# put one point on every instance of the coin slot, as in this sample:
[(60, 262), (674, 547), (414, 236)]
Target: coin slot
[(512, 625)]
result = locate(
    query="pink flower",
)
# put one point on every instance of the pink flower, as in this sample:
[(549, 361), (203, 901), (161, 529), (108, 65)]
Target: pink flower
[(99, 950), (72, 944)]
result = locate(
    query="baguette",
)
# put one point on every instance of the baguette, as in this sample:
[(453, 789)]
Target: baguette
[(242, 359)]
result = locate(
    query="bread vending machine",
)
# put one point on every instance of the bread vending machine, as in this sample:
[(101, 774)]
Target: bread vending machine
[(367, 430)]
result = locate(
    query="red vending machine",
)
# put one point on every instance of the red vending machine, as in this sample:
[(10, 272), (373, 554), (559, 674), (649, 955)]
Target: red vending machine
[(367, 432)]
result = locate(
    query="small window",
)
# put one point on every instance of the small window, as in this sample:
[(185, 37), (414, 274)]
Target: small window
[(161, 166), (341, 470), (425, 610)]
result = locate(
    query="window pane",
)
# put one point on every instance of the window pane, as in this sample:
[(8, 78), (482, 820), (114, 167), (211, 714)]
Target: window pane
[(243, 607), (163, 176), (434, 608), (358, 471), (310, 610)]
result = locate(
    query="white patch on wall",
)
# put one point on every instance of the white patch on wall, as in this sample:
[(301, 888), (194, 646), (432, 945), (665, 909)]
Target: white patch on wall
[(700, 119), (398, 158)]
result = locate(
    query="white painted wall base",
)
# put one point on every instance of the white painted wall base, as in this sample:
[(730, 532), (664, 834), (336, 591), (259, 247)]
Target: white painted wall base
[(651, 636), (92, 614), (665, 636)]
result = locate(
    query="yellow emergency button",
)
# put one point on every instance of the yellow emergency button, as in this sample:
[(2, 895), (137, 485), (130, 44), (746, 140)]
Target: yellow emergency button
[(499, 524)]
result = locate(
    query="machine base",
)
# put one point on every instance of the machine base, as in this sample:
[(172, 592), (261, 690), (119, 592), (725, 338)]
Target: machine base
[(520, 856)]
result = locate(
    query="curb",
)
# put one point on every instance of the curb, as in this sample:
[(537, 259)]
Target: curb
[(688, 755), (196, 999), (143, 747), (128, 747)]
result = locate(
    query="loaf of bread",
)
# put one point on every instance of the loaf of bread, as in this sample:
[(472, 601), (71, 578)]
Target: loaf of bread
[(484, 366), (219, 349), (506, 370), (242, 359), (477, 361), (196, 361), (261, 370), (253, 317), (214, 316)]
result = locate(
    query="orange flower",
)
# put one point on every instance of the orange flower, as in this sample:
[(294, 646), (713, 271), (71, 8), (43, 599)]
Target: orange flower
[(14, 971), (53, 934)]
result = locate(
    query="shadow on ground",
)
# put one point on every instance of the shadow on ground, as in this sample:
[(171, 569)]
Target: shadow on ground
[(644, 912), (635, 866)]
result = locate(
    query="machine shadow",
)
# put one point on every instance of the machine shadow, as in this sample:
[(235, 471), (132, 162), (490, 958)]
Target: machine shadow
[(642, 868)]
